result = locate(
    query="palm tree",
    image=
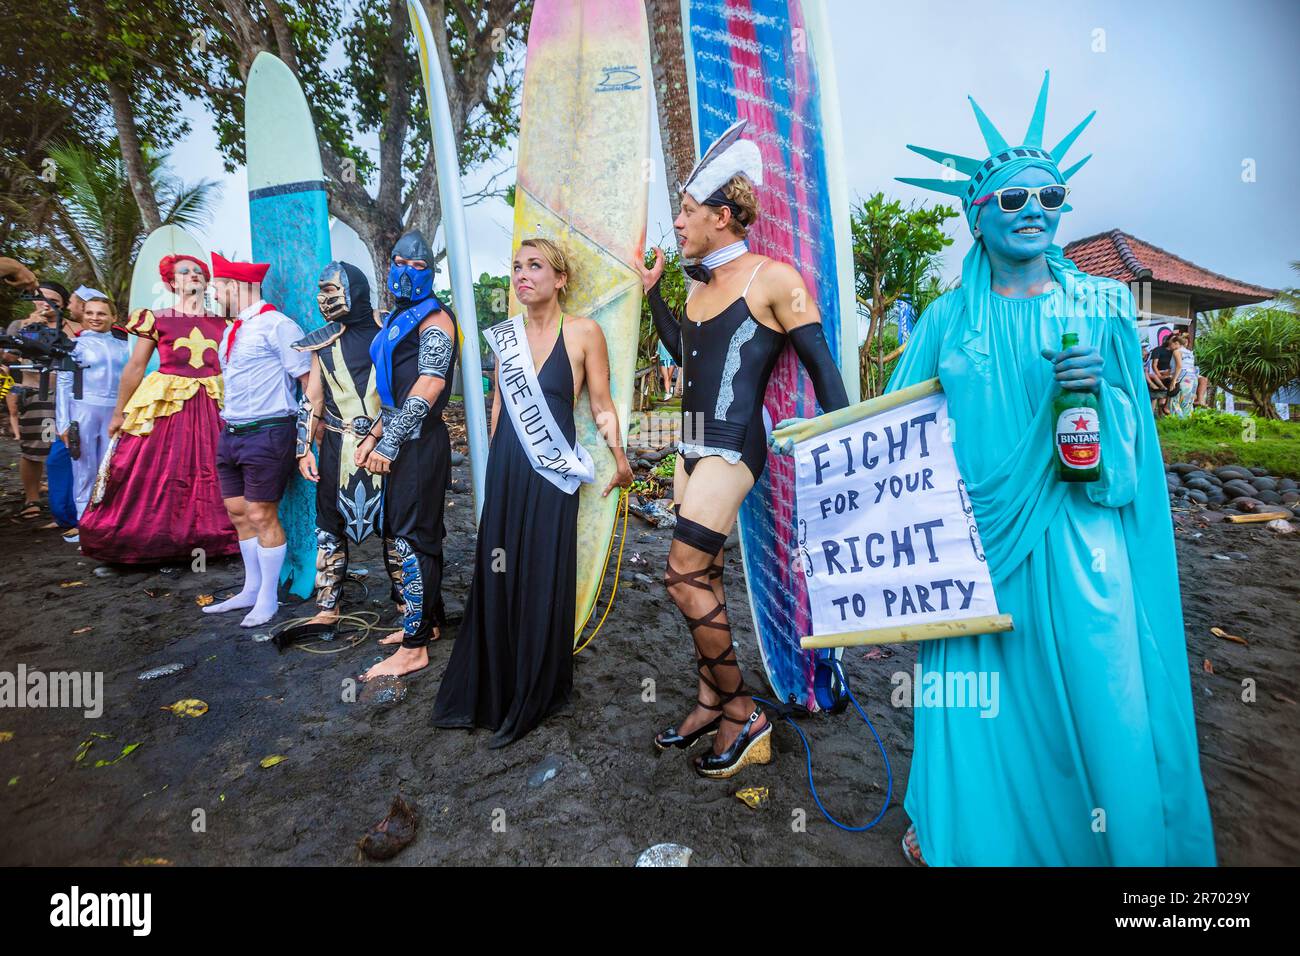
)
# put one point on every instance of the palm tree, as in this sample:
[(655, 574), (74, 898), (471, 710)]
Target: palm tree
[(98, 222)]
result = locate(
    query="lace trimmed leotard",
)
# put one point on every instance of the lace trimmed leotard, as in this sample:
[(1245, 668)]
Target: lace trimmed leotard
[(726, 361)]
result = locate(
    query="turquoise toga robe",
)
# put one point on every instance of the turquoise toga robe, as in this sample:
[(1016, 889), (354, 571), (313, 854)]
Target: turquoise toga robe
[(1091, 758)]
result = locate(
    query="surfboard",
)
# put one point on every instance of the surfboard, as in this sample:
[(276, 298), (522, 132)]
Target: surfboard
[(584, 157), (148, 291), (769, 62), (289, 219), (453, 229)]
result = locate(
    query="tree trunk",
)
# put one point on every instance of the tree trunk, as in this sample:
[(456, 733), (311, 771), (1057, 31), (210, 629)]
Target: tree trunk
[(672, 95), (119, 97), (133, 154)]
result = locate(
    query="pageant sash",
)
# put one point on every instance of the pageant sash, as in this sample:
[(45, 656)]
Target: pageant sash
[(563, 465)]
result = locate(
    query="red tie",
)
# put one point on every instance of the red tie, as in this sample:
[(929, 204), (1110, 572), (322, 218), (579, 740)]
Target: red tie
[(230, 342)]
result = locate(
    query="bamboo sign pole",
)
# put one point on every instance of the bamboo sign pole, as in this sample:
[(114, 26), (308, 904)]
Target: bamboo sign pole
[(907, 633), (894, 491), (854, 413)]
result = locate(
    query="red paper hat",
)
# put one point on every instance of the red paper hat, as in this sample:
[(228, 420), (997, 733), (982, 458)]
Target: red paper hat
[(223, 268)]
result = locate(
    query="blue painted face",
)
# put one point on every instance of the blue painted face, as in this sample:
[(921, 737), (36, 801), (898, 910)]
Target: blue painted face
[(1026, 233)]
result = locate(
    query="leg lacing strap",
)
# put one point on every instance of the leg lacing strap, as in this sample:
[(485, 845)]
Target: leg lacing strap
[(704, 662), (673, 576), (726, 659), (715, 574)]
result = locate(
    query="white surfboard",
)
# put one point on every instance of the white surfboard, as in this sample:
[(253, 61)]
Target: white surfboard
[(453, 228)]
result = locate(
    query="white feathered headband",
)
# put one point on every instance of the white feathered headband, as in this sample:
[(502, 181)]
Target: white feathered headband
[(727, 157)]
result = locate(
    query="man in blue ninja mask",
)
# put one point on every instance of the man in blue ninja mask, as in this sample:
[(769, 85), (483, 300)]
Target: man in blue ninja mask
[(414, 353)]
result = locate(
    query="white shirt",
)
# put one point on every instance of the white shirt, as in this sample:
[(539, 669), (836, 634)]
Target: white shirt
[(102, 358), (261, 371)]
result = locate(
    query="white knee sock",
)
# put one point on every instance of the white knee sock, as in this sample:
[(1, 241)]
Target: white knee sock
[(270, 560), (247, 595)]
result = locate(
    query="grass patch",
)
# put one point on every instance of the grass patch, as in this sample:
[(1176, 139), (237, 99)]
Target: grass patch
[(1218, 438)]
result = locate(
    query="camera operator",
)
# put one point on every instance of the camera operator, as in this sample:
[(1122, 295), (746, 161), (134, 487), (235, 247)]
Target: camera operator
[(31, 415)]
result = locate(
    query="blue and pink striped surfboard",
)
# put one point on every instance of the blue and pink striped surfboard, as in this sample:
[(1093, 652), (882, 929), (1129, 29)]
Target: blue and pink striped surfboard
[(768, 62)]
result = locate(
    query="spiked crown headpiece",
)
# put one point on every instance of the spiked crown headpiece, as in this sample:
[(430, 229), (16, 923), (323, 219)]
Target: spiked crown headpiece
[(979, 172)]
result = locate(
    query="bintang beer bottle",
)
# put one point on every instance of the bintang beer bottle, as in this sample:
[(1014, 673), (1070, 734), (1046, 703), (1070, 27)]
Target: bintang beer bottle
[(1078, 430)]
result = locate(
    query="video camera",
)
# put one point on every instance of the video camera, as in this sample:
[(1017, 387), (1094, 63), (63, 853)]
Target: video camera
[(46, 349)]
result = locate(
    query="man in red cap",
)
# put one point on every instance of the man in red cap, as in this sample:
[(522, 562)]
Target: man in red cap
[(255, 454)]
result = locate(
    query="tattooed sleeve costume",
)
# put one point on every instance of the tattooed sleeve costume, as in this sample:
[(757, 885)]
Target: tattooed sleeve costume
[(348, 499), (415, 439)]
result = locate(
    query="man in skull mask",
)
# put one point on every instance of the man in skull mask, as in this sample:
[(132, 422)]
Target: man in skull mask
[(413, 354), (338, 408)]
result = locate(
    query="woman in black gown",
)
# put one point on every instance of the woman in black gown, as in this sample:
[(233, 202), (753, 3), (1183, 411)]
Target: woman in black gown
[(512, 665)]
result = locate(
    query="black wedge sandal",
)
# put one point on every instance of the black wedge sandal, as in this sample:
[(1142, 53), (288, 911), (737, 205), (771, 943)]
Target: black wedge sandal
[(672, 737), (749, 747)]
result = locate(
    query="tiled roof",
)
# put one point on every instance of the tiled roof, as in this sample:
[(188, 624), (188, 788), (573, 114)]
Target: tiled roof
[(1118, 255)]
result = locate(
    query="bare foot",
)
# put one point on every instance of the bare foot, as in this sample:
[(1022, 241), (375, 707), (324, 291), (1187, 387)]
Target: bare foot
[(406, 660), (325, 617), (912, 847), (396, 637)]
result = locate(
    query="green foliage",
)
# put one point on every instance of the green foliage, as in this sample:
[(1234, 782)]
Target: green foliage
[(1253, 354), (896, 253), (667, 465), (1219, 438), (672, 285), (380, 74), (491, 304), (99, 221)]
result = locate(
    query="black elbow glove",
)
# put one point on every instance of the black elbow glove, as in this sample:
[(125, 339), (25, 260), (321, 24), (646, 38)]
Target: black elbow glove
[(810, 344), (666, 324)]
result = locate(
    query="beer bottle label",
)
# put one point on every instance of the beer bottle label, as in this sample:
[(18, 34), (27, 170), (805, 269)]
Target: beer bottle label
[(1078, 437)]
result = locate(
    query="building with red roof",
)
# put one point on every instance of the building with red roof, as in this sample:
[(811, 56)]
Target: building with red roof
[(1168, 289)]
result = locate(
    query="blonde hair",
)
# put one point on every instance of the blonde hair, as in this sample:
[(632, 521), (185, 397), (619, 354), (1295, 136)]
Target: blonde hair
[(554, 257), (741, 191)]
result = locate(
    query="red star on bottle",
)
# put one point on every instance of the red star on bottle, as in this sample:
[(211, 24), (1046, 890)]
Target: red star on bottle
[(1080, 423)]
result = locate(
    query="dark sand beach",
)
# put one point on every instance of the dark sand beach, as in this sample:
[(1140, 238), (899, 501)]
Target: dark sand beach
[(611, 797)]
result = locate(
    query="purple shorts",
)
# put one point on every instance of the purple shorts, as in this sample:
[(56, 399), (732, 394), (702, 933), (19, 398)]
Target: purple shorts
[(256, 465)]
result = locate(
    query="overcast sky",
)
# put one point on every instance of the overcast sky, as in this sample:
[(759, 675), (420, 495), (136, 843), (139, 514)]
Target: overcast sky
[(1190, 95)]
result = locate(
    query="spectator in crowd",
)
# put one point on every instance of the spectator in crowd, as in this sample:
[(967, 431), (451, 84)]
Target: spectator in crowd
[(31, 415)]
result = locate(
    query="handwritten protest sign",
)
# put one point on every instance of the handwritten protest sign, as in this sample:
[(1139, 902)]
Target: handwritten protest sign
[(887, 532)]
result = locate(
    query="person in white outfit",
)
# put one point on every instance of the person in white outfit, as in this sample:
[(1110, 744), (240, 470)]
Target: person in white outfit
[(255, 453), (102, 357)]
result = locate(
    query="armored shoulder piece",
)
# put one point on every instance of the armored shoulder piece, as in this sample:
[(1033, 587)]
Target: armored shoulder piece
[(316, 340)]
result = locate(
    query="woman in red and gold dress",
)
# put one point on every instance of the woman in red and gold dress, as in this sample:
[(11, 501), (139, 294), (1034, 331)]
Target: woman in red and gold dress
[(162, 499)]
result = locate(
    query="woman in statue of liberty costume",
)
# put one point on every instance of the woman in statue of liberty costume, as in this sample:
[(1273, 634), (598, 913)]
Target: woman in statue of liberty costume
[(1091, 757)]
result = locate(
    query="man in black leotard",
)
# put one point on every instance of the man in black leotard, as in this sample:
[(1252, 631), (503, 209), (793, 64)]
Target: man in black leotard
[(414, 354), (740, 313)]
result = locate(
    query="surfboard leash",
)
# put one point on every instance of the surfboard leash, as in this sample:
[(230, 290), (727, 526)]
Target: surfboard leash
[(623, 504), (364, 622), (786, 713)]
